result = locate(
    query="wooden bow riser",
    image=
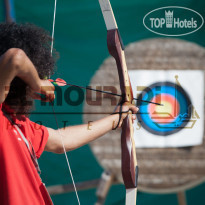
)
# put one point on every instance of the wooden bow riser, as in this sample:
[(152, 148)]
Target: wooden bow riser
[(115, 49), (129, 162)]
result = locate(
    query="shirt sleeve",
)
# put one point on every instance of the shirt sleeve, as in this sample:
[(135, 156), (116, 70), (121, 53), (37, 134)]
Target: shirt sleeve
[(39, 138)]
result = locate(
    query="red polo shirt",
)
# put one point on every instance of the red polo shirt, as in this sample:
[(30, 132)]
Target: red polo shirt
[(20, 182)]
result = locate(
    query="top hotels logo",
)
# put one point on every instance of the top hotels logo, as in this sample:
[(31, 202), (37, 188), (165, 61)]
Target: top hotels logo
[(173, 21)]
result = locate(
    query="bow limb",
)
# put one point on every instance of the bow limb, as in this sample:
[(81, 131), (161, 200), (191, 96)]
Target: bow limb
[(116, 49)]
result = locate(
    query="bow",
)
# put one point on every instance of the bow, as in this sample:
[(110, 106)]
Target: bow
[(116, 49)]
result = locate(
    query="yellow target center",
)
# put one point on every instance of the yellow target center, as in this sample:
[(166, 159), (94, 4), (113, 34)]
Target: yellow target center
[(168, 107)]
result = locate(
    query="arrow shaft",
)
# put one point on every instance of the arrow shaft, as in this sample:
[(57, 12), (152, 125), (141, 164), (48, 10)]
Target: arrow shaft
[(109, 93)]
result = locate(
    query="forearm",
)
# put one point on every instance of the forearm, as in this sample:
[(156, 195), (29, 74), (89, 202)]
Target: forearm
[(77, 136), (15, 63), (27, 71)]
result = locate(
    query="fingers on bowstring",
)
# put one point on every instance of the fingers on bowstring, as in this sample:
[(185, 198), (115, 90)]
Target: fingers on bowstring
[(48, 97), (36, 96), (33, 94)]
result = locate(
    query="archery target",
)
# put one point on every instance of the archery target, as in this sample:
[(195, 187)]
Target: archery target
[(172, 116), (179, 121)]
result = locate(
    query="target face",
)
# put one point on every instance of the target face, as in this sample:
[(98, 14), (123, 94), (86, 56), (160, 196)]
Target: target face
[(169, 118)]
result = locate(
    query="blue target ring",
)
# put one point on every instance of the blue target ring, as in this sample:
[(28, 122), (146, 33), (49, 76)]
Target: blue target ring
[(167, 119)]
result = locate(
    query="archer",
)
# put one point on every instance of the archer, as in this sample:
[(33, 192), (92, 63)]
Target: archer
[(25, 60)]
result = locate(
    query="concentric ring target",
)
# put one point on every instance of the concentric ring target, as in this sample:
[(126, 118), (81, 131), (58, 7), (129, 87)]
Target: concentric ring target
[(169, 118)]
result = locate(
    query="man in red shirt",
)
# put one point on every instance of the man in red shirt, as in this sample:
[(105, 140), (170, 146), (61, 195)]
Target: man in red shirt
[(25, 60)]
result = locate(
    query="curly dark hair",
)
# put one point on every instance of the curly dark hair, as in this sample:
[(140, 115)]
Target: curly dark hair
[(35, 42)]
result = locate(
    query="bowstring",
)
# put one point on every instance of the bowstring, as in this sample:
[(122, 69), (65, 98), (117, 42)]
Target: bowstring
[(59, 131), (53, 29)]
